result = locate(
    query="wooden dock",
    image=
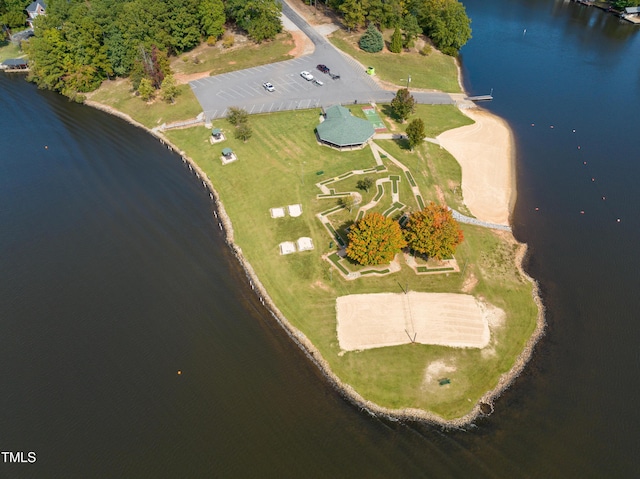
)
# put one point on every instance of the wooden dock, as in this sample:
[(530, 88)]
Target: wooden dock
[(480, 98)]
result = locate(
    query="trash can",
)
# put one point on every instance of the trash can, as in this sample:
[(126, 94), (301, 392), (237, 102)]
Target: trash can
[(371, 71)]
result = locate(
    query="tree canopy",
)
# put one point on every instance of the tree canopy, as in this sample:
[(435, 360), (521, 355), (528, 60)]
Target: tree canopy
[(415, 132), (446, 23), (374, 239), (396, 41), (403, 104), (79, 44), (433, 231), (371, 40), (12, 13)]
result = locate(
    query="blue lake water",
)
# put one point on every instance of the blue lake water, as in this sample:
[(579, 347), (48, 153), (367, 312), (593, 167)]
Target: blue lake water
[(114, 276)]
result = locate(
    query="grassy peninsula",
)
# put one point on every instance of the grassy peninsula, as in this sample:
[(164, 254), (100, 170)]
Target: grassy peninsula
[(280, 165)]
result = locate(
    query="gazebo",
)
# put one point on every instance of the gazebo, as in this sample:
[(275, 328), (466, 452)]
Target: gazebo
[(216, 136), (340, 129), (228, 156)]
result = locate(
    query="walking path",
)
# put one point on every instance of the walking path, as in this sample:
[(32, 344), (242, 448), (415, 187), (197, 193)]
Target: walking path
[(473, 221)]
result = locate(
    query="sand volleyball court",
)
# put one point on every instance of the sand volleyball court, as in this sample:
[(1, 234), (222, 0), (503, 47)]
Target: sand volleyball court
[(368, 321)]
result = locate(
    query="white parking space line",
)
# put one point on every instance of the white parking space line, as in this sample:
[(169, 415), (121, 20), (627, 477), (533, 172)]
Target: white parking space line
[(225, 95), (236, 93), (247, 90)]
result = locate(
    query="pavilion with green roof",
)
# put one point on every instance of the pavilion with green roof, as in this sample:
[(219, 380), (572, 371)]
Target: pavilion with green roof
[(340, 129)]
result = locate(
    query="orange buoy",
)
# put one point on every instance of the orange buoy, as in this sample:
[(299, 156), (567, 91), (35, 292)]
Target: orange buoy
[(179, 372)]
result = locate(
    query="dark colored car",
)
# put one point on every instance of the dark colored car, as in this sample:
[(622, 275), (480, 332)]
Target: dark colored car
[(323, 68)]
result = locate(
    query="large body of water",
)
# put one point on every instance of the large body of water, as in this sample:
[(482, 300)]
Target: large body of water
[(114, 276)]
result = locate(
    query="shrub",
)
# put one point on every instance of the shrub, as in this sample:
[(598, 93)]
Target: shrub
[(169, 90), (211, 41), (237, 116), (228, 40), (243, 132), (146, 90), (426, 50), (371, 41)]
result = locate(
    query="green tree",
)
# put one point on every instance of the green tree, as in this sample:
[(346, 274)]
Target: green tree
[(169, 90), (259, 18), (237, 116), (396, 41), (375, 11), (446, 23), (347, 202), (182, 24), (375, 239), (365, 183), (354, 12), (410, 29), (212, 18), (243, 132), (415, 132), (403, 104), (50, 58), (371, 40), (146, 89), (433, 231), (12, 13)]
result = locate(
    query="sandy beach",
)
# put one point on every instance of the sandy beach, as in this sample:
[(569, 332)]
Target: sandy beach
[(486, 155)]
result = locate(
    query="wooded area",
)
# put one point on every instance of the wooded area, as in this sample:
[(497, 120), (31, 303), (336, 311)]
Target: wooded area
[(79, 44)]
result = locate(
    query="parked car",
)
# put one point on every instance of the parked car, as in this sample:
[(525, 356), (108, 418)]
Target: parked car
[(306, 75), (318, 82), (323, 68), (334, 77), (268, 86)]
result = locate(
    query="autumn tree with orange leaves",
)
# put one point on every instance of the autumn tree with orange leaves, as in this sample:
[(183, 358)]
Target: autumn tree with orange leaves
[(433, 231), (375, 239)]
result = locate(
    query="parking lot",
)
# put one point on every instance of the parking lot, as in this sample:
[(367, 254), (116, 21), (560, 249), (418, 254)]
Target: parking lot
[(243, 88)]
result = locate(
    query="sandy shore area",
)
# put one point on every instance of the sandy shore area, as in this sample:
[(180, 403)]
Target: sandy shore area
[(486, 154)]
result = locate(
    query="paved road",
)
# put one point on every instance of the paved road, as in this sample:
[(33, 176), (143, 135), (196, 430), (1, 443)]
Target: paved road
[(244, 89)]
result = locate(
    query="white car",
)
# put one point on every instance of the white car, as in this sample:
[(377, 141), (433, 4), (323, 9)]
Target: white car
[(318, 82), (306, 75), (268, 86)]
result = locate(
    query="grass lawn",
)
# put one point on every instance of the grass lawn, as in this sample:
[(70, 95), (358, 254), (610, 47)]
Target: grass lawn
[(118, 95), (9, 50), (433, 72), (279, 166), (437, 118), (217, 60)]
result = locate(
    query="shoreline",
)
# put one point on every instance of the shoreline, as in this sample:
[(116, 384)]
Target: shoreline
[(483, 407)]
